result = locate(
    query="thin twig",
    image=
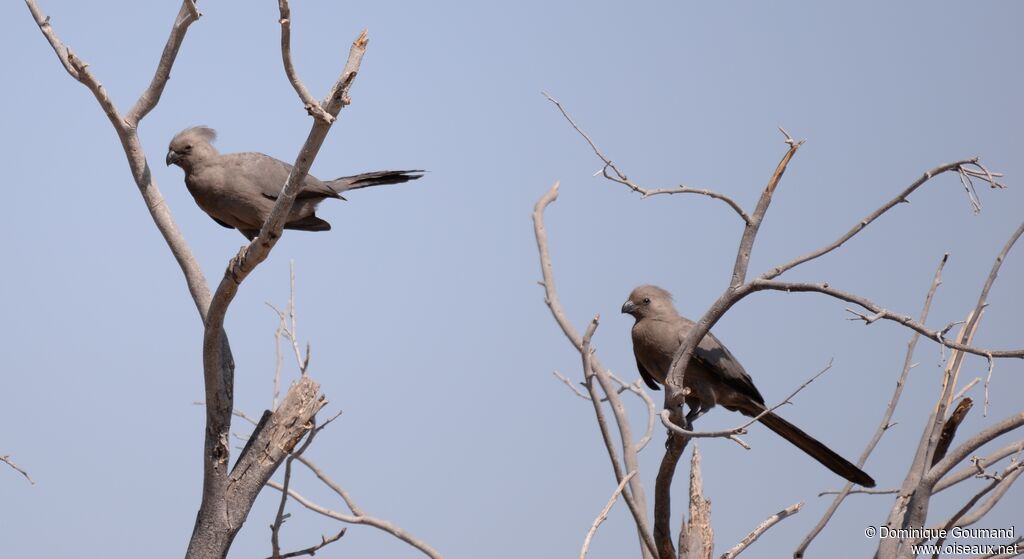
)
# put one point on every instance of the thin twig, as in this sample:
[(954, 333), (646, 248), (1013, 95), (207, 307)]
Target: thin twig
[(571, 386), (898, 199), (968, 472), (1000, 483), (621, 178), (275, 528), (635, 388), (311, 550), (6, 459), (761, 529), (604, 513), (235, 412), (826, 289), (312, 106), (361, 519), (966, 387)]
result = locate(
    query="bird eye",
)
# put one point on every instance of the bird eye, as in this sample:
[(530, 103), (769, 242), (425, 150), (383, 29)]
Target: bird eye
[(647, 300), (188, 147)]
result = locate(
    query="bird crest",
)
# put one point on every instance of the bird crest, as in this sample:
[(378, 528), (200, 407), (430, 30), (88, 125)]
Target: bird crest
[(204, 133)]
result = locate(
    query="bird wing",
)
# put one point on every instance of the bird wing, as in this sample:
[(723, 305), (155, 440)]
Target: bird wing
[(713, 354), (269, 175), (648, 377), (221, 223)]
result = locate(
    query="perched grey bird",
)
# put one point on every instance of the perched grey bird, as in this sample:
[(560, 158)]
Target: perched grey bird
[(713, 375), (238, 190)]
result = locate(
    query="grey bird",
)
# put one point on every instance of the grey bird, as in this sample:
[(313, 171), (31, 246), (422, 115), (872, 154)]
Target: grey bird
[(714, 376), (238, 190)]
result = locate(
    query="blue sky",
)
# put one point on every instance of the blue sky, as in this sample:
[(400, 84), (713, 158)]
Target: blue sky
[(421, 305)]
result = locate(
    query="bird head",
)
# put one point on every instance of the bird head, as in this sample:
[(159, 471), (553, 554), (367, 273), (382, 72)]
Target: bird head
[(649, 301), (190, 146)]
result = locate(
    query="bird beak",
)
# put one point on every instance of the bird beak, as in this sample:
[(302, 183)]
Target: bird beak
[(628, 307), (172, 157)]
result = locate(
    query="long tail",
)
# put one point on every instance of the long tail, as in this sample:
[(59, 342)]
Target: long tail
[(375, 178), (817, 450)]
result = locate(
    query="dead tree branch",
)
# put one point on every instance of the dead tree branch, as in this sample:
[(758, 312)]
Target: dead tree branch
[(950, 427), (696, 537), (275, 528), (902, 197), (761, 529), (912, 504), (958, 518), (634, 497), (604, 514), (312, 106), (223, 506), (621, 178), (886, 420), (361, 519), (6, 459), (311, 550), (970, 471), (126, 129)]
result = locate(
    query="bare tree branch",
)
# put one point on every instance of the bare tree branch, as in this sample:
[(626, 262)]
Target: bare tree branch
[(958, 518), (635, 388), (961, 452), (604, 513), (6, 459), (571, 386), (275, 528), (361, 519), (696, 537), (950, 427), (151, 96), (675, 446), (126, 130), (900, 198), (827, 289), (635, 499), (311, 550), (220, 518), (912, 504), (746, 248), (621, 178), (762, 528), (969, 471), (884, 424), (967, 387), (312, 106), (1001, 483)]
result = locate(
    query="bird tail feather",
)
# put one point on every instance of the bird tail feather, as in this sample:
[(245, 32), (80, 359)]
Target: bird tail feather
[(816, 450), (308, 223), (375, 178)]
